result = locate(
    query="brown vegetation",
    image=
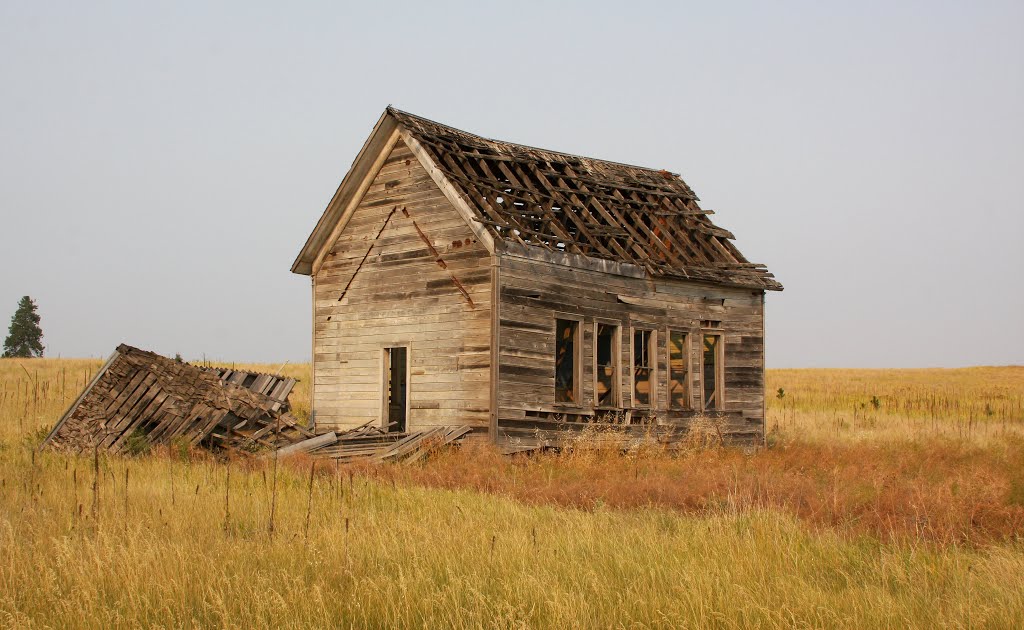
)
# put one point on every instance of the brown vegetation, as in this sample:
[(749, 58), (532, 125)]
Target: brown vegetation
[(940, 491)]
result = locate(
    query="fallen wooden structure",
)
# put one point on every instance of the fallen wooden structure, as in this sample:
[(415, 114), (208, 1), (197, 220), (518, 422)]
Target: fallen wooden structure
[(372, 444), (140, 399)]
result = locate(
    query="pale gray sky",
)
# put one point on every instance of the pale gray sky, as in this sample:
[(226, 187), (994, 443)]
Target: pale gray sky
[(162, 164)]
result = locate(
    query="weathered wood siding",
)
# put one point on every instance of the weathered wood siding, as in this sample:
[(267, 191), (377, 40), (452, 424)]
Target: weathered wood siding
[(532, 295), (400, 295)]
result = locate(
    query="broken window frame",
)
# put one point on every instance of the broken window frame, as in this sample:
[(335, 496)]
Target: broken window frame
[(688, 368), (652, 358), (615, 365), (575, 393), (719, 376)]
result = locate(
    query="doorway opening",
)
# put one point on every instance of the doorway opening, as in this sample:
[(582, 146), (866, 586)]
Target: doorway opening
[(396, 389)]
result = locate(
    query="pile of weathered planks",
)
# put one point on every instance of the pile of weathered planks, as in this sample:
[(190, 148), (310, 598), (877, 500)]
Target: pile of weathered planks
[(368, 443), (139, 399)]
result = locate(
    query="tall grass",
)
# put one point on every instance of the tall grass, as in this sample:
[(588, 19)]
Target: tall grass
[(394, 555), (866, 527)]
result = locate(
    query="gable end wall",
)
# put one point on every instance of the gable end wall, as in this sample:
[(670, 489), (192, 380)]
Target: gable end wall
[(401, 296)]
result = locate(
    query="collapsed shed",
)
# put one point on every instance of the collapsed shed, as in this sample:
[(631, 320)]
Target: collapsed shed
[(140, 399)]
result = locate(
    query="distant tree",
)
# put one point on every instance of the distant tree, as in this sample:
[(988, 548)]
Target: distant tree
[(25, 337)]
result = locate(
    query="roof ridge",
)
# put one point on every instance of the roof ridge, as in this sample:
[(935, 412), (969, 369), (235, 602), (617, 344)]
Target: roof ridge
[(660, 171)]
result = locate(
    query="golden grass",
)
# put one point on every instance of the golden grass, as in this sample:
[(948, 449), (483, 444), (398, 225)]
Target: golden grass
[(781, 538), (976, 404)]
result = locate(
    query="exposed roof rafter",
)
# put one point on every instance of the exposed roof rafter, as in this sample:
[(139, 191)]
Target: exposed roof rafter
[(558, 202)]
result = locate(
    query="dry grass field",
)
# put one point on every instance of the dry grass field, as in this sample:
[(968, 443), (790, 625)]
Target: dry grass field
[(887, 498)]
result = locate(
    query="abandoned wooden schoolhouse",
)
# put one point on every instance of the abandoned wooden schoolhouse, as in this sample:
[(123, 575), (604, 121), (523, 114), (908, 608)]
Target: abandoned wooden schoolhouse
[(527, 293)]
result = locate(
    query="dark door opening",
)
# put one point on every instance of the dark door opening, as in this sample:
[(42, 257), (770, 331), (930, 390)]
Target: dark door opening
[(396, 388)]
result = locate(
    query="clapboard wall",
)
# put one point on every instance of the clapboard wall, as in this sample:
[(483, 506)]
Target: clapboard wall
[(438, 303), (534, 292)]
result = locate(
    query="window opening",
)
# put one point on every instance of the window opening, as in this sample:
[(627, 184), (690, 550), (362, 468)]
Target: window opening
[(566, 360), (711, 373), (643, 368), (606, 382), (678, 370)]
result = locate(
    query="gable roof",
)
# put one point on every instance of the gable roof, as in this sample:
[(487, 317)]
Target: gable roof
[(522, 196)]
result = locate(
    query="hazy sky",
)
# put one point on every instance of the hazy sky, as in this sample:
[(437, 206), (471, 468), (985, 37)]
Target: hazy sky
[(162, 164)]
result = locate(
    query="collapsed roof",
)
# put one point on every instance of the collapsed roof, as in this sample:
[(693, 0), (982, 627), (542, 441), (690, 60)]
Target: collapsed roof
[(527, 197)]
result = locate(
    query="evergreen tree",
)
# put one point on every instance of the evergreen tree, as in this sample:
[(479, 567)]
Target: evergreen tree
[(25, 338)]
